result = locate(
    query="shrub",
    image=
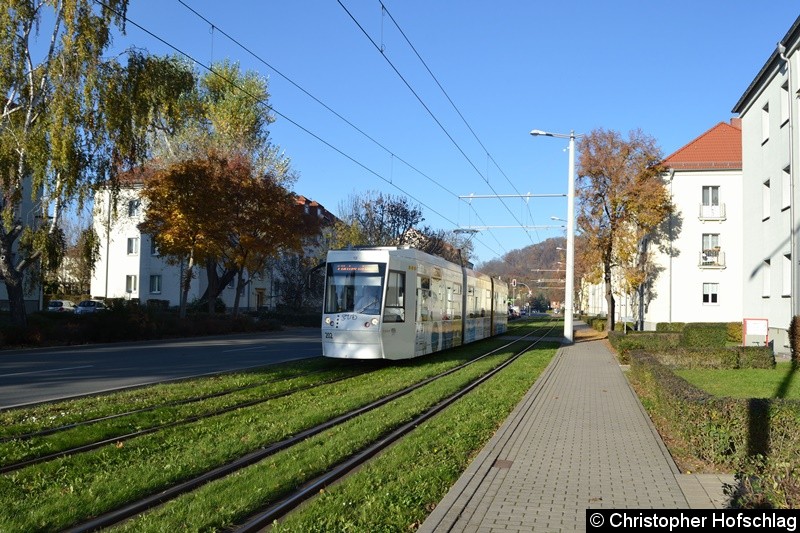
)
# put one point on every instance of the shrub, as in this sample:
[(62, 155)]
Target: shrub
[(670, 326), (794, 339), (650, 341), (716, 358), (735, 332), (705, 335), (290, 316), (758, 438)]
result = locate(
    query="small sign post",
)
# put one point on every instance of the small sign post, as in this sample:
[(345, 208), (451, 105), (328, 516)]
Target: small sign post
[(756, 327)]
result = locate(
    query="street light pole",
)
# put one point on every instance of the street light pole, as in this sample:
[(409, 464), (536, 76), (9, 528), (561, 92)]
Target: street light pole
[(569, 286)]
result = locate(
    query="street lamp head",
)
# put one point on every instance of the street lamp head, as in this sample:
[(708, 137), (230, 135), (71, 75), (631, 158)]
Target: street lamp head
[(540, 132)]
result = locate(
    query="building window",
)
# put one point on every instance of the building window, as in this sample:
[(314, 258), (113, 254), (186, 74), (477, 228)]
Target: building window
[(786, 196), (786, 266), (155, 284), (130, 283), (711, 250), (765, 201), (764, 124), (711, 207), (134, 208), (785, 103), (766, 279), (711, 195), (153, 247), (710, 291), (133, 245)]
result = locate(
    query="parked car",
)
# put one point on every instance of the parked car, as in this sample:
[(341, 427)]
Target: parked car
[(90, 306), (61, 306)]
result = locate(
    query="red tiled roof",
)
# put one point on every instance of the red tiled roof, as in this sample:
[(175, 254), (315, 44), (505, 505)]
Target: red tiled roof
[(718, 148)]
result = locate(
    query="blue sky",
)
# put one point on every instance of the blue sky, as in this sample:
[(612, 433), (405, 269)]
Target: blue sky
[(673, 69)]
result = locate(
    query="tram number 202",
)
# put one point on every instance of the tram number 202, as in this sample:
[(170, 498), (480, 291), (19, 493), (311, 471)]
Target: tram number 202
[(328, 335)]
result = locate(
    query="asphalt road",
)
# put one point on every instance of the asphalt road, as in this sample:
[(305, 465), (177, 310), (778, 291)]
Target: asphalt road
[(32, 376)]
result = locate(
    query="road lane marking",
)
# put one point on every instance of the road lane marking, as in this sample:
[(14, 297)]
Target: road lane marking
[(45, 371)]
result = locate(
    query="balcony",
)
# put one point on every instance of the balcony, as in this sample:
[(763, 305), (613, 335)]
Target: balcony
[(712, 258), (712, 212)]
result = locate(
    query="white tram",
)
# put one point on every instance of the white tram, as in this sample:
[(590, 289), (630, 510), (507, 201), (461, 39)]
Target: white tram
[(398, 303)]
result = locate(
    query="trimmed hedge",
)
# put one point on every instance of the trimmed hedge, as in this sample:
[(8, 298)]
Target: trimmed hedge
[(675, 327), (124, 322), (705, 335), (650, 341), (717, 358), (760, 439)]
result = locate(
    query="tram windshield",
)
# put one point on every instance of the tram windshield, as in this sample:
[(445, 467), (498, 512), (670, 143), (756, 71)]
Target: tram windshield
[(354, 287)]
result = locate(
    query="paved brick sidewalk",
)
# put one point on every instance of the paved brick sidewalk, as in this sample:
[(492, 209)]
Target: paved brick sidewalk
[(579, 439)]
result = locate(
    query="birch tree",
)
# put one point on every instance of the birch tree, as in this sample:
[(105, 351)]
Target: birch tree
[(70, 119)]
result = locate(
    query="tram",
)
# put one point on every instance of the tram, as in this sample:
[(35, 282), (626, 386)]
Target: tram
[(399, 303)]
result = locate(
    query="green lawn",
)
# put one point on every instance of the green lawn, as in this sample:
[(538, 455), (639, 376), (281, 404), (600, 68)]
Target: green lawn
[(780, 382)]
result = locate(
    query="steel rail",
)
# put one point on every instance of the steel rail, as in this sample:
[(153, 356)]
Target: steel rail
[(282, 508), (134, 508)]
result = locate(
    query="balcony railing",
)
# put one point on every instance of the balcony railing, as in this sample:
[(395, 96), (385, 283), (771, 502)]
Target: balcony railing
[(712, 212), (713, 258)]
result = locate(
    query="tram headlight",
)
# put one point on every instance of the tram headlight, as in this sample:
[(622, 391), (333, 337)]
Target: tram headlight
[(374, 321), (328, 320)]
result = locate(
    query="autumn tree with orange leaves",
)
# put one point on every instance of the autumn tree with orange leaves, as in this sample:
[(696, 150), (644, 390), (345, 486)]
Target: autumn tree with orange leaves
[(215, 208), (185, 215), (622, 200)]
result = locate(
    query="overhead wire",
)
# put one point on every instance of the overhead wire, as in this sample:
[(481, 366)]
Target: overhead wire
[(335, 113), (271, 108), (455, 107), (430, 112)]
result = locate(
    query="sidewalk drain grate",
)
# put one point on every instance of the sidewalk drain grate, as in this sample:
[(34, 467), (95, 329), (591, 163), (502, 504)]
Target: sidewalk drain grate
[(502, 463)]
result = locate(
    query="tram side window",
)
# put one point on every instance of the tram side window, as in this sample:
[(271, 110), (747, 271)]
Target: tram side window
[(471, 301), (423, 298), (394, 309), (455, 302)]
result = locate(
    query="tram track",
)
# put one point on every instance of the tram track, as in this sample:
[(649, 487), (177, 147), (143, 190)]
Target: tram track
[(340, 471), (290, 500), (175, 403), (127, 436)]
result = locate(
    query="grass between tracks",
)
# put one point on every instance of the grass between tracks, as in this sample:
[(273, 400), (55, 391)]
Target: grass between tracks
[(400, 488), (39, 417), (15, 451), (62, 492), (393, 492)]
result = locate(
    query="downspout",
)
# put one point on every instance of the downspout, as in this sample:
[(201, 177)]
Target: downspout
[(671, 179), (792, 247)]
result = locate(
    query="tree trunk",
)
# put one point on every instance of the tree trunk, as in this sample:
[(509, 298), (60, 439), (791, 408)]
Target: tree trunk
[(610, 303), (213, 285), (16, 299), (220, 282), (13, 279), (239, 291), (186, 283)]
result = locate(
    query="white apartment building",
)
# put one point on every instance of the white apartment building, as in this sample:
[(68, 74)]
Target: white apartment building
[(699, 264), (769, 111), (130, 267)]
